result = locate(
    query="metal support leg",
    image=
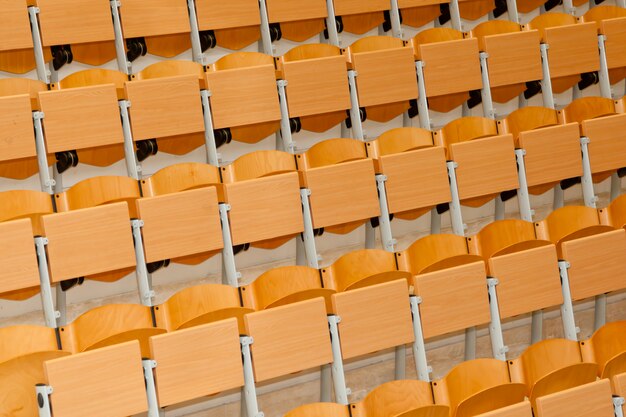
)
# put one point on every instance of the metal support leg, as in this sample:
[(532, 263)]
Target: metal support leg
[(285, 127), (470, 343), (50, 314), (266, 38), (146, 294), (567, 308), (568, 7), (43, 400), (500, 208), (396, 26), (603, 73), (40, 61), (546, 83), (455, 15), (122, 63), (300, 253), (326, 383), (485, 92), (523, 198), (209, 135), (196, 46), (61, 306), (419, 348), (559, 197), (386, 236), (47, 183), (589, 195), (600, 312), (370, 236), (132, 165), (153, 404), (230, 275), (400, 372), (355, 112), (618, 403), (435, 222), (536, 327), (458, 228), (308, 237), (616, 186), (495, 326), (249, 389), (339, 377), (511, 6), (422, 103), (621, 3), (331, 25)]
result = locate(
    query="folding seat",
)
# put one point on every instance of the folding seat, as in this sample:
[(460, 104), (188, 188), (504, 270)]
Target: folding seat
[(590, 400), (332, 172), (569, 52), (23, 350), (399, 398), (411, 15), (85, 383), (354, 17), (244, 104), (320, 409), (522, 409), (404, 157), (607, 348), (382, 72), (181, 177), (548, 154), (313, 90)]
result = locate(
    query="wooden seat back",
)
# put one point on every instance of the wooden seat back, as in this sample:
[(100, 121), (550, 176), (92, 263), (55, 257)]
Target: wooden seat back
[(84, 383), (299, 20), (236, 24), (435, 252), (611, 22), (522, 409), (93, 77), (317, 409), (215, 350), (19, 278), (289, 338), (606, 348), (317, 85), (417, 13), (19, 204), (360, 16), (589, 400), (182, 177), (16, 48), (568, 223), (503, 237), (16, 341), (615, 214)]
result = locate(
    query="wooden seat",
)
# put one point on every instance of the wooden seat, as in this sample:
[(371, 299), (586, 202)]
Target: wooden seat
[(19, 204), (244, 98), (522, 409), (23, 350), (108, 325), (285, 285), (435, 252), (181, 177), (359, 17), (299, 20), (234, 25), (607, 348), (477, 386), (400, 398), (84, 383), (200, 304), (475, 9), (320, 409), (590, 400), (336, 171), (486, 160), (385, 80), (317, 85), (550, 366), (615, 214), (417, 13)]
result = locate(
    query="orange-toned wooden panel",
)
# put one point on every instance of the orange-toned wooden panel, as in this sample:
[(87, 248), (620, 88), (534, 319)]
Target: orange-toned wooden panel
[(317, 86), (596, 263), (189, 360), (615, 43), (80, 118), (619, 384), (405, 4), (385, 76), (243, 96), (373, 318), (164, 107), (180, 224), (88, 241), (289, 338), (453, 299), (332, 186), (451, 67), (74, 21), (264, 208), (607, 143), (573, 49), (346, 7), (552, 154), (589, 400), (528, 280), (513, 57), (522, 409), (18, 260), (17, 139), (290, 10), (161, 17), (416, 179), (218, 14), (485, 166), (15, 29)]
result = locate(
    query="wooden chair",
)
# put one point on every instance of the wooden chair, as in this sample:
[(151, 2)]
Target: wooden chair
[(220, 25), (359, 17), (23, 350), (590, 400), (522, 409), (476, 387), (84, 383), (317, 409), (606, 347), (297, 21), (400, 398)]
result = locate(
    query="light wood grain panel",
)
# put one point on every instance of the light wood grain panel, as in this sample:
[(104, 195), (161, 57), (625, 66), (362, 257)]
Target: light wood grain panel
[(180, 224), (385, 76), (15, 29), (84, 384), (453, 299), (405, 4), (590, 400), (346, 7), (513, 57), (619, 384), (522, 409), (597, 265), (528, 280), (290, 10), (162, 17), (81, 118), (416, 179), (332, 186), (317, 86), (615, 43), (573, 49), (607, 146), (552, 154), (486, 166), (18, 260), (74, 21), (451, 67), (218, 14), (264, 208), (88, 241), (243, 96), (17, 139), (165, 107), (373, 318), (193, 363), (289, 339)]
